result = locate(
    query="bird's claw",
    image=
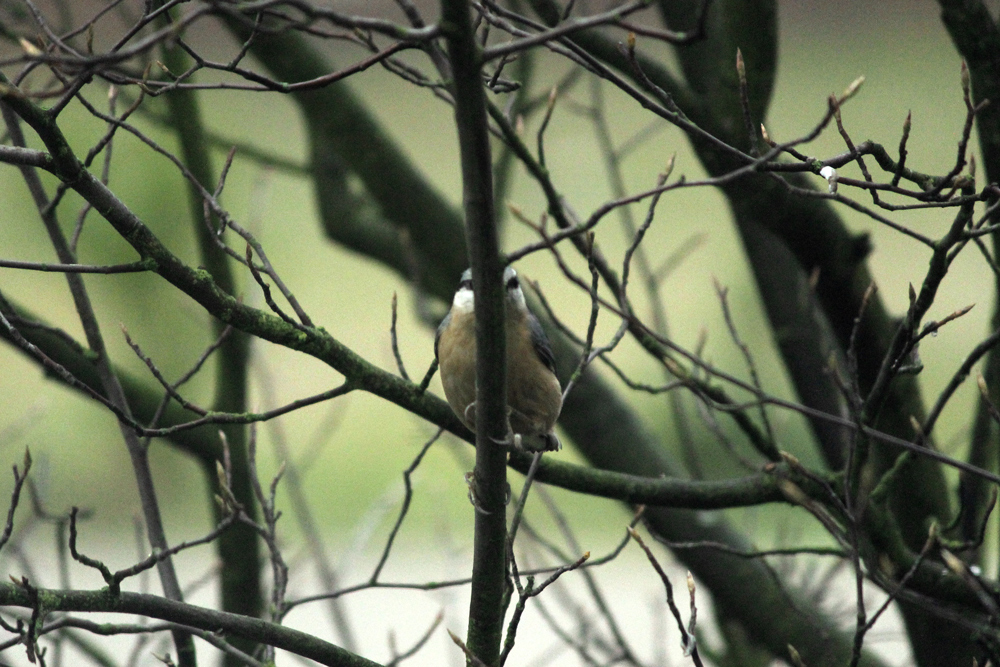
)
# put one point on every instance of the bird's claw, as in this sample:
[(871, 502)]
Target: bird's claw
[(470, 481), (510, 441)]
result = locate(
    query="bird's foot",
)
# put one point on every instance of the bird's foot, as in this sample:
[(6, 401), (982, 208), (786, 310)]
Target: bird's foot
[(470, 481), (511, 440)]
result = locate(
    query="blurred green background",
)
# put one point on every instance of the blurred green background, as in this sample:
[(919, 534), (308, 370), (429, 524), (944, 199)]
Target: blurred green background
[(356, 448)]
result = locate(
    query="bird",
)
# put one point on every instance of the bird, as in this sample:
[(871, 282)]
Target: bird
[(534, 395)]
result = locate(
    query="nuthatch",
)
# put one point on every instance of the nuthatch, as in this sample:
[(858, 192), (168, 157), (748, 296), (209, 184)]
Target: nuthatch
[(534, 397)]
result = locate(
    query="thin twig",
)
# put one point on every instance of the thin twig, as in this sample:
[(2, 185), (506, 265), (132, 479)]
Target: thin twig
[(407, 497), (395, 343), (688, 641)]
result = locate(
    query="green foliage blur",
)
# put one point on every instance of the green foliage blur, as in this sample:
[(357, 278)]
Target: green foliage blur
[(357, 447)]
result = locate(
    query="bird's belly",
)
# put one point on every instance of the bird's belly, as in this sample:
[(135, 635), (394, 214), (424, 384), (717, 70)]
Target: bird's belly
[(534, 403), (458, 379)]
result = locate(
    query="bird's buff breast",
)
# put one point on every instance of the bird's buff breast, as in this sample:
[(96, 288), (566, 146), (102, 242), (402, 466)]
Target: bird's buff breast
[(533, 393), (457, 352)]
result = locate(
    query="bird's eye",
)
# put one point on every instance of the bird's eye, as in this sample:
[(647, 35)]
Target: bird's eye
[(512, 283), (465, 284)]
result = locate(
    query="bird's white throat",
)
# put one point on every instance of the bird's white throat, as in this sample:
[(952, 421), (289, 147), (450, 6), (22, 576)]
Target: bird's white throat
[(465, 300)]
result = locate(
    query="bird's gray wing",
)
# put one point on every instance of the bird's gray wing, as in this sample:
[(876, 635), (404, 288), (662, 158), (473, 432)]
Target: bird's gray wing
[(541, 343), (440, 330)]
